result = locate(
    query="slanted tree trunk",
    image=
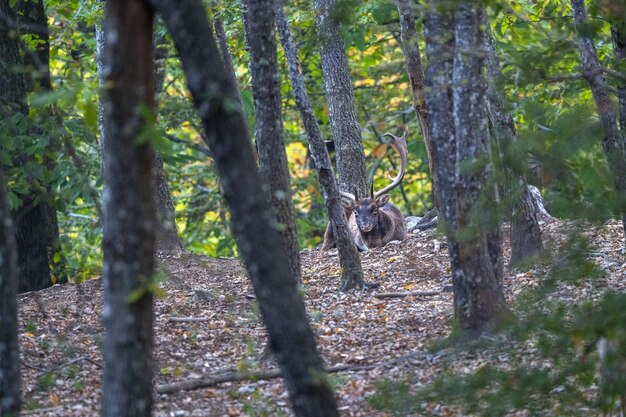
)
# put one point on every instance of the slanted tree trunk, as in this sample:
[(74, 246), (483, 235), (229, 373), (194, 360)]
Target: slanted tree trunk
[(269, 125), (413, 59), (525, 233), (282, 308), (36, 227), (352, 275), (9, 349), (222, 42), (129, 214), (342, 112), (613, 140), (479, 300)]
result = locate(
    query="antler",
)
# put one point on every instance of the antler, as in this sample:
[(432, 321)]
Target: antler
[(399, 144)]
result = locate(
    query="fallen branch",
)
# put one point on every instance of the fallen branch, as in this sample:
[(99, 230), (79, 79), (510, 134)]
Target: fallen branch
[(186, 319), (40, 411), (73, 361), (407, 294)]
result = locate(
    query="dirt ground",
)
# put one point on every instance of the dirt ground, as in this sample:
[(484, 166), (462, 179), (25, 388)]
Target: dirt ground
[(207, 325)]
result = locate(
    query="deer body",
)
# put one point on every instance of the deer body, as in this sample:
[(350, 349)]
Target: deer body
[(374, 221)]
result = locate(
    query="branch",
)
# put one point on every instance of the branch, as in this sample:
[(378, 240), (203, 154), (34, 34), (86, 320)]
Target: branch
[(408, 294)]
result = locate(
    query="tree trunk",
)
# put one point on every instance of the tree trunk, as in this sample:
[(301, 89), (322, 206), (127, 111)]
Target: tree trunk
[(342, 112), (352, 275), (36, 227), (618, 32), (167, 239), (222, 43), (9, 348), (269, 125), (413, 59), (479, 301), (253, 221), (129, 215), (612, 141), (525, 233), (439, 26)]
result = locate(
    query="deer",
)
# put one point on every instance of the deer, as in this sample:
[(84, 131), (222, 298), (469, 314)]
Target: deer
[(374, 221)]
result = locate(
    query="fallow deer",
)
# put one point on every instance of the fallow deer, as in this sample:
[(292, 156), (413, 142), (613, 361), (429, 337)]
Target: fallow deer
[(374, 221)]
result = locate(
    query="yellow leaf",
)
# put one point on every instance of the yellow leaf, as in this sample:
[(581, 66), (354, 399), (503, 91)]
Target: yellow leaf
[(55, 400), (379, 151)]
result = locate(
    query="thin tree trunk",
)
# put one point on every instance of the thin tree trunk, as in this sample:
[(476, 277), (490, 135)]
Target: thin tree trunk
[(612, 141), (273, 165), (167, 239), (413, 59), (618, 32), (342, 112), (282, 309), (9, 348), (352, 275), (525, 233), (479, 301), (129, 215), (222, 42)]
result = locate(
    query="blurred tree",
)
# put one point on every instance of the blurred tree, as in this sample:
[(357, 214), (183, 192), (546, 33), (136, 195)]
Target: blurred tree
[(9, 348), (283, 312), (129, 214)]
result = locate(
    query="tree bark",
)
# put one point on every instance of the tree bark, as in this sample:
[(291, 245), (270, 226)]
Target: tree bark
[(282, 309), (618, 33), (9, 348), (612, 141), (342, 112), (352, 275), (413, 59), (439, 26), (479, 301), (269, 125), (525, 233), (129, 215), (36, 227), (167, 239)]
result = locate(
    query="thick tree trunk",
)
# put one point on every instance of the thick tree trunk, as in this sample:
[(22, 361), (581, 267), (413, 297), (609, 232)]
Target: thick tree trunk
[(479, 301), (9, 349), (342, 112), (253, 221), (129, 215), (525, 233), (269, 125), (413, 58), (352, 275), (36, 227), (439, 26), (613, 141)]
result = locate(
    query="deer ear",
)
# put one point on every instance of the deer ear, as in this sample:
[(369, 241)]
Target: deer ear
[(382, 200)]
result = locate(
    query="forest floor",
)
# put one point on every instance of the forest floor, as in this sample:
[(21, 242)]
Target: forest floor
[(208, 326)]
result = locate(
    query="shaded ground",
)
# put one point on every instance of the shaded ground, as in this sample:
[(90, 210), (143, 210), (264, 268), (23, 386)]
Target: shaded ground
[(207, 324)]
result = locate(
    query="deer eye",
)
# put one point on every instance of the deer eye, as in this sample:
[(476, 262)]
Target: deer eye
[(356, 214), (375, 211)]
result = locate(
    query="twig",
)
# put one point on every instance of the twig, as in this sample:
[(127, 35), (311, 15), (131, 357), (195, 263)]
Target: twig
[(407, 294), (186, 319), (73, 361)]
